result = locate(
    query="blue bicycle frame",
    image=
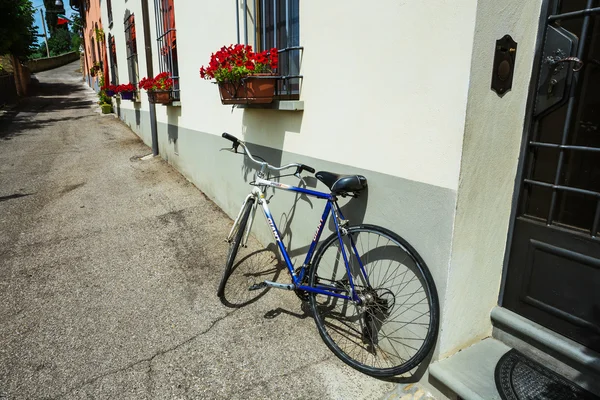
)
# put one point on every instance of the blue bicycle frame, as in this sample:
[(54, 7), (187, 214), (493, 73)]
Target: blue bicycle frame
[(330, 208)]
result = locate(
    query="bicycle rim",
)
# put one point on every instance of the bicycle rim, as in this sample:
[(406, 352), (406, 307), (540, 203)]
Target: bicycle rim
[(396, 326)]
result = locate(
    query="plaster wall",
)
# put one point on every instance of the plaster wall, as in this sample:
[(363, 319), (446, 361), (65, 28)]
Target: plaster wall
[(92, 14), (491, 148), (372, 76)]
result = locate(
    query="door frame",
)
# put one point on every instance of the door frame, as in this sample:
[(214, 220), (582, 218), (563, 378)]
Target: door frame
[(527, 125)]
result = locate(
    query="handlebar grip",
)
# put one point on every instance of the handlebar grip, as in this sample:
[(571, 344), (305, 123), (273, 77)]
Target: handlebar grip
[(230, 137), (307, 168)]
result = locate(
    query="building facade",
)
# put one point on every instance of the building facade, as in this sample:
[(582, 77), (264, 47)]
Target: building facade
[(94, 42), (449, 121)]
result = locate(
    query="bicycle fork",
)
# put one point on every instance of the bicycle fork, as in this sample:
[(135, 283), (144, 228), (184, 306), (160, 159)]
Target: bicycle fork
[(236, 223)]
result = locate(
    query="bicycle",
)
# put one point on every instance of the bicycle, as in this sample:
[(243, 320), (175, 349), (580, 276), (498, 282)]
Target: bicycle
[(355, 297)]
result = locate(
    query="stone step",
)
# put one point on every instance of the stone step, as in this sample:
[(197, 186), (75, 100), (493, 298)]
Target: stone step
[(470, 372)]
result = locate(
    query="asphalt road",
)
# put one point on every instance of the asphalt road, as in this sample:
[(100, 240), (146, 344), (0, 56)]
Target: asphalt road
[(109, 267)]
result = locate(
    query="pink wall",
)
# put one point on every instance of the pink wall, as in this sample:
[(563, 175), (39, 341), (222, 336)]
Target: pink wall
[(95, 51)]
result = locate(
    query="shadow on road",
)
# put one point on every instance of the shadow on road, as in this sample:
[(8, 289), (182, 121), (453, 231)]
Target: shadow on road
[(46, 97)]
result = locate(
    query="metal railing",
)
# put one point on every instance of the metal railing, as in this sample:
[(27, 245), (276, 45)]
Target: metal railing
[(276, 25), (131, 45), (167, 45)]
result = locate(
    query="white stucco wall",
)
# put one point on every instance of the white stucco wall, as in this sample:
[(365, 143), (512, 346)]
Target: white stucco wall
[(385, 85), (493, 135)]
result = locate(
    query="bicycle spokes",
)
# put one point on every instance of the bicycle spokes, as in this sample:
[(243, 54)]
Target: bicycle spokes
[(390, 324)]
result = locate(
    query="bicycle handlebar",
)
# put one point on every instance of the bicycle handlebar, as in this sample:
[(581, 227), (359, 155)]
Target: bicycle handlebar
[(236, 142)]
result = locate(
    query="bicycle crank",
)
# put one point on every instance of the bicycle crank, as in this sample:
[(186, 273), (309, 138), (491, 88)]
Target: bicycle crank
[(276, 285)]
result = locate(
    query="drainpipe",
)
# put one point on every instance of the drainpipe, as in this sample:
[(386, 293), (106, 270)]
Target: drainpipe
[(150, 71)]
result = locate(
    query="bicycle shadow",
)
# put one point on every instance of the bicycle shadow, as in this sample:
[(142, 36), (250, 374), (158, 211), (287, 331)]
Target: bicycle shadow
[(249, 268), (276, 312)]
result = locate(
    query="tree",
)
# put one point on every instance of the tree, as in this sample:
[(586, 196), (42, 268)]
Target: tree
[(77, 29), (52, 11), (60, 42), (17, 36), (17, 29)]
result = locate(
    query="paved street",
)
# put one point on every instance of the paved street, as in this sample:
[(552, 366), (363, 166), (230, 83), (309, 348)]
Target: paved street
[(109, 266)]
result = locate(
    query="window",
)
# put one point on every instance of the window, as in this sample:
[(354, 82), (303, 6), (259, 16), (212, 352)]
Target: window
[(112, 56), (130, 44), (93, 48), (167, 41), (277, 25), (109, 9), (99, 42)]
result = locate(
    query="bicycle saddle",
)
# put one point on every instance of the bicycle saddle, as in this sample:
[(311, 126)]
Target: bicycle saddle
[(342, 184)]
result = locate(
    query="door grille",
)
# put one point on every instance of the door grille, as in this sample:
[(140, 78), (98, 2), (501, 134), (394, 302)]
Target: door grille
[(561, 184)]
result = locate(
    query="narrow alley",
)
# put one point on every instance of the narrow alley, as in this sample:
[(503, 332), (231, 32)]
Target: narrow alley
[(109, 266)]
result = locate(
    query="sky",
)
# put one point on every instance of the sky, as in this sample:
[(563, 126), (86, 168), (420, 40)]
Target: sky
[(38, 21)]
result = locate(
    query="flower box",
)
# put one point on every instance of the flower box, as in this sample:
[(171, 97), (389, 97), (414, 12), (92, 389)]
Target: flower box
[(160, 96), (126, 90), (243, 76), (250, 90), (159, 88), (127, 95), (106, 108)]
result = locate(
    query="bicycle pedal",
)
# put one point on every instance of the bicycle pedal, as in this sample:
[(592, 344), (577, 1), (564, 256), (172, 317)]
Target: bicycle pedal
[(258, 286)]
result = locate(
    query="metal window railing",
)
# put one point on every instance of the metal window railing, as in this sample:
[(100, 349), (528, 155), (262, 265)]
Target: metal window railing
[(167, 43), (110, 14), (112, 57), (131, 45), (276, 24)]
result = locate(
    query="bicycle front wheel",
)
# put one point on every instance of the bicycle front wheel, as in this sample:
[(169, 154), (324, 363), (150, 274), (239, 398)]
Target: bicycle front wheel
[(235, 244), (395, 325)]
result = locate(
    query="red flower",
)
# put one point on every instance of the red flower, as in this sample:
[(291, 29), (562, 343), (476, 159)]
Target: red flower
[(125, 88), (234, 62), (162, 81)]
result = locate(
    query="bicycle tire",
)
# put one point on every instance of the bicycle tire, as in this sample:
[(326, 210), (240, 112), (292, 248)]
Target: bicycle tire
[(234, 245), (376, 312)]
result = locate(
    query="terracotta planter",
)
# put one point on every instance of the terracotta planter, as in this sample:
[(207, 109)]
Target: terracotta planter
[(160, 96), (250, 90), (127, 95)]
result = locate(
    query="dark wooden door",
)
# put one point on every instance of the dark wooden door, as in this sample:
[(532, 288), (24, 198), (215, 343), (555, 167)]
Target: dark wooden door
[(553, 275)]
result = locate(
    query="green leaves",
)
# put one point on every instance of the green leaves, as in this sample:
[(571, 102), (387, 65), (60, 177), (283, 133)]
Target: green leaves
[(17, 29)]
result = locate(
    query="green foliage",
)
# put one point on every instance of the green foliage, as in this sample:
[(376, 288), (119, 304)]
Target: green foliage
[(75, 42), (60, 42), (39, 51), (77, 30), (76, 25), (17, 29), (102, 97), (99, 35)]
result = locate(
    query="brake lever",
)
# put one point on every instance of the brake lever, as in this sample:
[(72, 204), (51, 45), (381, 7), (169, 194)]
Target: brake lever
[(230, 149)]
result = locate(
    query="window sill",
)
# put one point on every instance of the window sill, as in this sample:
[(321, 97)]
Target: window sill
[(281, 105)]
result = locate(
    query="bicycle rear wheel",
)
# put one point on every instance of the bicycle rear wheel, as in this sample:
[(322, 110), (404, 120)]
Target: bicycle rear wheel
[(396, 324), (235, 244)]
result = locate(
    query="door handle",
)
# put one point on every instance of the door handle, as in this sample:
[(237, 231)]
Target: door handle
[(577, 67)]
